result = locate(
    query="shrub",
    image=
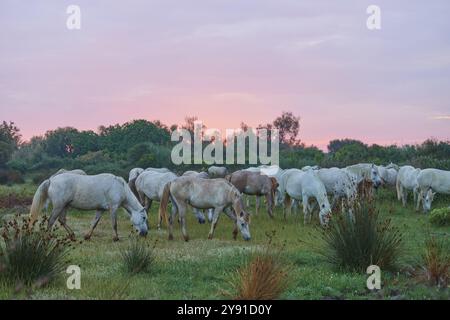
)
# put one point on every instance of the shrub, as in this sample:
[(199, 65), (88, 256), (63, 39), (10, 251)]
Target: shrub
[(263, 277), (436, 262), (10, 177), (440, 217), (354, 243), (138, 256), (31, 256)]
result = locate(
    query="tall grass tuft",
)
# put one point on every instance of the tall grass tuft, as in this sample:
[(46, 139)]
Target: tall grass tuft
[(353, 243), (138, 256), (436, 262), (31, 256), (264, 277)]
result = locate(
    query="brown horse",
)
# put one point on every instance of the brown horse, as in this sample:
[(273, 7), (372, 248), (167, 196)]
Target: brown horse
[(255, 184), (218, 194)]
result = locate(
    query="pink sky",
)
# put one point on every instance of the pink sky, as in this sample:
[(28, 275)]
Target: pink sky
[(228, 61)]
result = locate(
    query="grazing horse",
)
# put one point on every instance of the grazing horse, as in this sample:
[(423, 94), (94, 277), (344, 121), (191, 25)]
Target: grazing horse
[(150, 187), (217, 172), (255, 184), (407, 180), (305, 186), (218, 194), (340, 184), (366, 171), (432, 181), (100, 192), (196, 174)]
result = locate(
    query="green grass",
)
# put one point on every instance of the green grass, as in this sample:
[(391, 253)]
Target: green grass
[(200, 268)]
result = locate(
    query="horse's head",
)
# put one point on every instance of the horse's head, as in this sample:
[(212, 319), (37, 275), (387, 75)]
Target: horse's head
[(375, 176), (325, 212), (243, 220), (139, 221), (427, 199)]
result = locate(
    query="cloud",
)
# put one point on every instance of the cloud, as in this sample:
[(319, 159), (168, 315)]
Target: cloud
[(440, 117)]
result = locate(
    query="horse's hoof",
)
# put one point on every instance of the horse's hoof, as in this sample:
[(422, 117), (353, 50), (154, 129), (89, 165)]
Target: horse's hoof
[(210, 236), (115, 239), (87, 237), (170, 237), (186, 238)]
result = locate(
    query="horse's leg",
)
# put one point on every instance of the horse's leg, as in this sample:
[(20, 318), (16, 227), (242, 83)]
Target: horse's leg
[(269, 204), (98, 215), (57, 209), (305, 201), (114, 223), (257, 204), (418, 195), (214, 222), (210, 215), (62, 220), (182, 216), (404, 196), (199, 215), (287, 204)]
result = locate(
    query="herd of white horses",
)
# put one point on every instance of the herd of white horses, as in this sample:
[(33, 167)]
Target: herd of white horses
[(217, 190)]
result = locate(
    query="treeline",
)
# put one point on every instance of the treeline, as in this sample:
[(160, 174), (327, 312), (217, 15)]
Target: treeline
[(141, 143)]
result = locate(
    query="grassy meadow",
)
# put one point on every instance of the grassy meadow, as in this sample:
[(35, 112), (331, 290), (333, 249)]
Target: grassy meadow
[(202, 268)]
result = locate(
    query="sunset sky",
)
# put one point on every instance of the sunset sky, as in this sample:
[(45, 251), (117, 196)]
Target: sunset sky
[(228, 61)]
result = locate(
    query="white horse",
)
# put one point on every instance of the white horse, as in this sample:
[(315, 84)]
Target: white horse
[(388, 174), (134, 173), (100, 192), (218, 194), (407, 180), (307, 168), (301, 185), (366, 171), (217, 172), (340, 184), (150, 187), (430, 182)]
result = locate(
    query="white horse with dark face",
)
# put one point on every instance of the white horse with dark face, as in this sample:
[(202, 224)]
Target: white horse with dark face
[(305, 186), (103, 192), (407, 181), (366, 171), (430, 182)]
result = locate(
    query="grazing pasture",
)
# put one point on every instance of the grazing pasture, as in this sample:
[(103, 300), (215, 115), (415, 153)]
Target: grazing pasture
[(201, 268)]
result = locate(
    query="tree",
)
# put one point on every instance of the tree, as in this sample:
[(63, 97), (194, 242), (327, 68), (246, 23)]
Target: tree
[(335, 145), (288, 126), (9, 141)]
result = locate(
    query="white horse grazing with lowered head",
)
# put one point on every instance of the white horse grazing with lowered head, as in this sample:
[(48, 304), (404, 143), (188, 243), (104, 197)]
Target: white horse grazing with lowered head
[(366, 171), (430, 182), (305, 186), (103, 192), (150, 187), (407, 181), (340, 184), (218, 194)]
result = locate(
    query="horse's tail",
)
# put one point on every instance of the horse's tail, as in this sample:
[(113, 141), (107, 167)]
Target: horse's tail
[(39, 199), (164, 202), (397, 186)]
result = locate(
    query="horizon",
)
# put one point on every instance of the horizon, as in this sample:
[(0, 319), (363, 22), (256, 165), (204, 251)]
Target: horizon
[(227, 62)]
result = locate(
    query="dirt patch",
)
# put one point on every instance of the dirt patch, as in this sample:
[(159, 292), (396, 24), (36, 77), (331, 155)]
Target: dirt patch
[(12, 200)]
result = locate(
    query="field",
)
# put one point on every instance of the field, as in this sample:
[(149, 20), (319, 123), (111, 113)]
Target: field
[(201, 268)]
